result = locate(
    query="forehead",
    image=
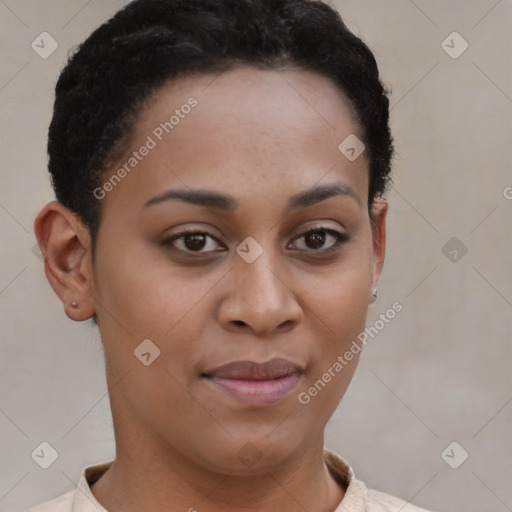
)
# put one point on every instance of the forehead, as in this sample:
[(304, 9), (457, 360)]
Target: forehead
[(248, 129), (275, 97)]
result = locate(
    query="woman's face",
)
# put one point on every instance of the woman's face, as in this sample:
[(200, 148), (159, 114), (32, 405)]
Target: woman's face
[(250, 162)]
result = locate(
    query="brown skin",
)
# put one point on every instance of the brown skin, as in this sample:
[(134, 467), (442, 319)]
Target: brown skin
[(261, 137)]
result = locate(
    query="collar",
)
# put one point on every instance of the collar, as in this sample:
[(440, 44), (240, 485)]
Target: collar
[(353, 501)]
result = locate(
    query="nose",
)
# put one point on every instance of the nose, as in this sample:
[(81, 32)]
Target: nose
[(261, 298)]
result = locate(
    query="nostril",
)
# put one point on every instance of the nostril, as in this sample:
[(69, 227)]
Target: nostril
[(239, 322)]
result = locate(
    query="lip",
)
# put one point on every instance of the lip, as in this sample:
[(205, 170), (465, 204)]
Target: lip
[(256, 384)]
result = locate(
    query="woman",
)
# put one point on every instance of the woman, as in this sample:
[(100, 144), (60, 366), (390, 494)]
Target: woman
[(219, 169)]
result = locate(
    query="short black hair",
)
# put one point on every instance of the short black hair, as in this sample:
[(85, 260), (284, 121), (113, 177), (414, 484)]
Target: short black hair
[(150, 42)]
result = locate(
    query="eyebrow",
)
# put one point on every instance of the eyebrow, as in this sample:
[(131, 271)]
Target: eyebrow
[(211, 199)]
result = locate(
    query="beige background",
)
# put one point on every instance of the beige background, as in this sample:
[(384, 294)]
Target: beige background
[(439, 372)]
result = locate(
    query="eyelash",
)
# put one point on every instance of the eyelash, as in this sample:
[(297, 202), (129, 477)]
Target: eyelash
[(340, 239)]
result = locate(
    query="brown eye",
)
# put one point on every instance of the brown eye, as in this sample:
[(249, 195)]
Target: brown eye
[(321, 240), (315, 239), (193, 242)]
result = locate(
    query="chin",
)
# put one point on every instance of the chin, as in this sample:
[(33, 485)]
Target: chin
[(249, 455)]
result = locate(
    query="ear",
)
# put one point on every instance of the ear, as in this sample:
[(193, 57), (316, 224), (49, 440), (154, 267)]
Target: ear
[(65, 243), (378, 222)]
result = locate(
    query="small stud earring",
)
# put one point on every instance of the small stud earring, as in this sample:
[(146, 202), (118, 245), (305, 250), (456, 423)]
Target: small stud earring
[(374, 292), (74, 304)]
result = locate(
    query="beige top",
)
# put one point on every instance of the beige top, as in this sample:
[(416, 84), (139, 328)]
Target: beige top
[(357, 497)]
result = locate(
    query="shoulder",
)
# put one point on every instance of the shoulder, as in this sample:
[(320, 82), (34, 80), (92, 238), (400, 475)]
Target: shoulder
[(62, 503), (377, 501), (79, 499), (358, 498)]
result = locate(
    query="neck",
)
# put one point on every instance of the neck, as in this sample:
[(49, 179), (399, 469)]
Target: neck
[(147, 476)]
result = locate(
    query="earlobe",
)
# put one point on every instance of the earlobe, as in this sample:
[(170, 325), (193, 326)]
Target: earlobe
[(65, 244), (379, 214)]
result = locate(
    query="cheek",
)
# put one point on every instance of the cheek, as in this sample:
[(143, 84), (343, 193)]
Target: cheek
[(339, 305), (146, 296), (335, 354), (149, 308), (340, 316), (339, 294)]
